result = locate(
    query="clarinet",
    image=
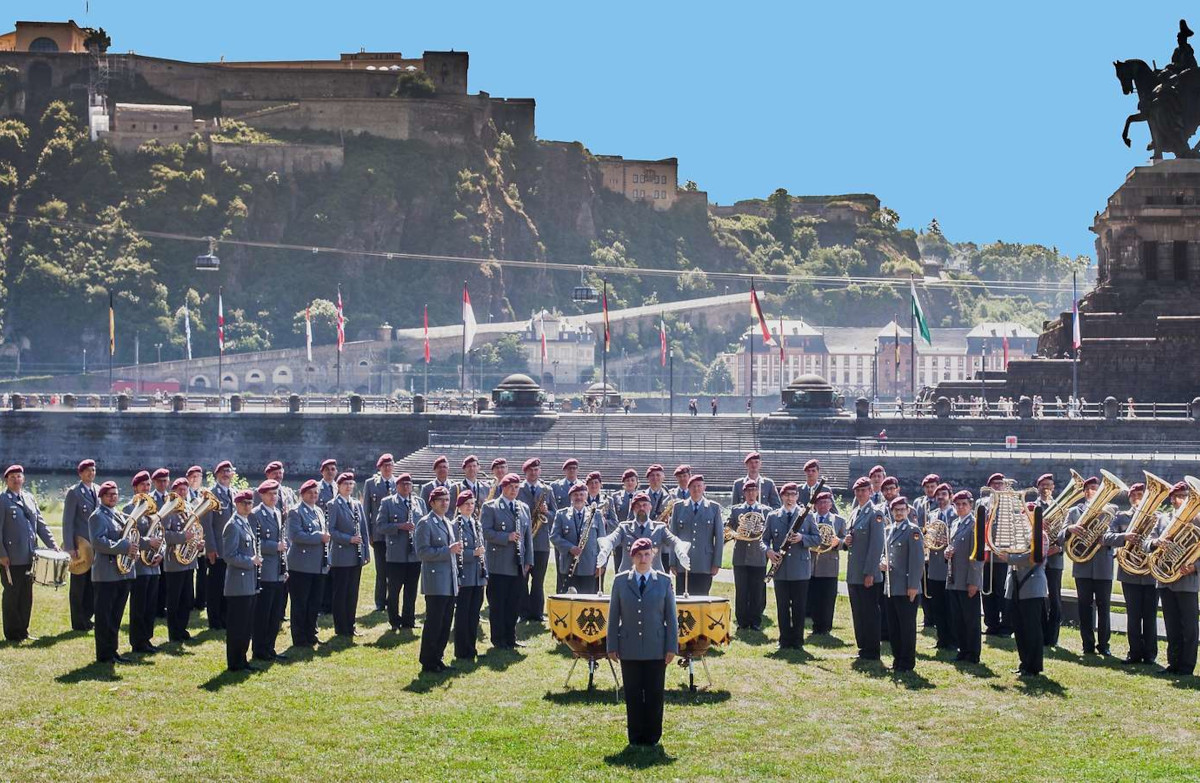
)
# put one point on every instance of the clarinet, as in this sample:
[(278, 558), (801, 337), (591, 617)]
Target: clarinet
[(325, 544), (282, 555), (257, 554), (462, 575), (477, 532), (356, 513), (795, 528)]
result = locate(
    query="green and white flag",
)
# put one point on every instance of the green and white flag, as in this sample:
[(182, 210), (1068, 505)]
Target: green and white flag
[(919, 314)]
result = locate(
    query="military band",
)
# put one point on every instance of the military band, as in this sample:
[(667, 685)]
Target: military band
[(749, 563), (793, 564), (822, 588), (396, 522), (348, 553), (438, 546), (375, 490)]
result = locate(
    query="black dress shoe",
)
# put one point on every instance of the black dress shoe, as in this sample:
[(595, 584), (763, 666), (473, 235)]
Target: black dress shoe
[(118, 658), (519, 644), (356, 633), (280, 657), (1167, 672), (1130, 660), (1104, 651)]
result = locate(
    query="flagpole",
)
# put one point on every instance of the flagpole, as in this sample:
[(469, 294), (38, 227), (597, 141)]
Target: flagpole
[(1074, 328), (112, 343), (462, 379), (912, 346), (221, 346), (604, 358), (750, 380), (338, 388)]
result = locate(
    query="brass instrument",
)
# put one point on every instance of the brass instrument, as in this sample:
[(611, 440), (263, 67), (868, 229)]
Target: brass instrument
[(1009, 528), (664, 516), (149, 556), (540, 513), (143, 504), (1179, 546), (1132, 556), (187, 552), (1054, 516), (936, 532), (1095, 520), (750, 527)]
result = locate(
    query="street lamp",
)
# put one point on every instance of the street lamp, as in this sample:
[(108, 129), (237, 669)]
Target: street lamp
[(554, 366), (158, 347), (85, 361)]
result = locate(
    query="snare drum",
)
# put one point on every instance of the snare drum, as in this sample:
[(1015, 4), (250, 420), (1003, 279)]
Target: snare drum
[(50, 567), (580, 621), (703, 621)]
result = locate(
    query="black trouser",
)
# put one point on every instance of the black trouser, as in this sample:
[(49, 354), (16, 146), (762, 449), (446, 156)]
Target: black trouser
[(1141, 613), (110, 608), (791, 599), (937, 609), (618, 556), (902, 620), (17, 601), (305, 591), (504, 596), (749, 595), (83, 602), (1025, 615), (466, 620), (439, 618), (201, 591), (406, 577), (534, 598), (864, 609), (1094, 621), (215, 594), (239, 627), (1179, 615), (695, 582), (928, 609), (143, 608), (885, 630), (994, 605), (160, 606), (179, 602), (822, 599), (345, 581), (644, 682), (327, 592), (381, 574), (583, 583), (964, 620), (268, 618), (1053, 617), (560, 581)]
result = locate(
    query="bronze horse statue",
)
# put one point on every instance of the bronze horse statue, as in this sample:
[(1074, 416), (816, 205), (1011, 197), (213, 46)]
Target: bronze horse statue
[(1168, 103)]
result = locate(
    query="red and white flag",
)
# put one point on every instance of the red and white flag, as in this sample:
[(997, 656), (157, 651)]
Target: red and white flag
[(662, 339), (1076, 339), (1005, 344), (341, 322), (469, 324), (781, 340), (220, 322), (427, 334), (308, 332), (756, 312), (542, 329)]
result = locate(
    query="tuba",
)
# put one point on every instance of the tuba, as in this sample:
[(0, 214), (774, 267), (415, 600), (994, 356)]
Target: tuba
[(1132, 557), (1096, 518), (1179, 546), (149, 556), (143, 504), (1054, 517), (1009, 528), (750, 527), (186, 553)]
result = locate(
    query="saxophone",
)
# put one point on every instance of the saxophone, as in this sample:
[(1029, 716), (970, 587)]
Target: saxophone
[(540, 512)]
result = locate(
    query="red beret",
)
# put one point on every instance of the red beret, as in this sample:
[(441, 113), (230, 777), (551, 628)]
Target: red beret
[(577, 487), (811, 464), (1137, 486), (1091, 481), (105, 488), (329, 463), (179, 483), (752, 455), (932, 478), (698, 478), (84, 465), (140, 477), (874, 470), (463, 497), (306, 486), (273, 465), (13, 469), (890, 481), (749, 484), (384, 459), (790, 486), (861, 482), (1044, 477), (570, 463), (510, 479), (995, 477), (467, 460), (963, 495), (653, 468), (629, 473), (404, 478), (898, 501), (1180, 486), (439, 493), (195, 469), (639, 497), (595, 476), (222, 465), (270, 485), (823, 495), (944, 486), (344, 476), (641, 545), (441, 461), (530, 464), (680, 470), (161, 473), (498, 461), (245, 496)]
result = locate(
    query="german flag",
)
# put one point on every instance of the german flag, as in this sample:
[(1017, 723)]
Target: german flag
[(112, 326)]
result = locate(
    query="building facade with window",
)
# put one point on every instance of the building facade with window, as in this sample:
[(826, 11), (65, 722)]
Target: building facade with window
[(652, 181)]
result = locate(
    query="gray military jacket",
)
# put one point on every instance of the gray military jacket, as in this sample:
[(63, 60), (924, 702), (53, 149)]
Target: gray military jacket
[(1186, 584), (473, 573), (326, 491), (346, 519), (631, 530), (375, 490), (430, 486), (642, 626), (829, 564), (961, 570), (80, 502), (797, 563), (568, 529), (479, 488), (213, 522), (1029, 575), (21, 524), (439, 568), (1100, 566), (395, 511), (237, 549), (267, 524), (905, 557), (747, 553), (562, 489), (1058, 561), (175, 537), (867, 544), (937, 562), (621, 501), (306, 550), (105, 532), (140, 568), (504, 557), (701, 526), (1121, 525), (530, 496)]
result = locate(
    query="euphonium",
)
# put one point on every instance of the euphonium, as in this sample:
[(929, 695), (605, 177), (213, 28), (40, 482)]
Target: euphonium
[(1179, 546), (187, 552), (1096, 518), (750, 527), (1009, 528), (143, 504), (156, 529), (1132, 556)]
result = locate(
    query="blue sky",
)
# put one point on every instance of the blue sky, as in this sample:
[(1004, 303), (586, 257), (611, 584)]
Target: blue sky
[(1002, 120)]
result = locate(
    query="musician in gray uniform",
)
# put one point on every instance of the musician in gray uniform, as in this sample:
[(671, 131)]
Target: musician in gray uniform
[(326, 492), (697, 520), (110, 585), (937, 605), (641, 526), (793, 567), (1141, 597), (506, 528), (964, 577), (1052, 618), (658, 494), (81, 501), (643, 634), (864, 544), (307, 562), (606, 514), (21, 524), (995, 607), (622, 500), (195, 478), (562, 487), (904, 569), (375, 489), (822, 588), (441, 478), (438, 546), (348, 554), (287, 496), (767, 494), (143, 593), (683, 474), (272, 546), (471, 482), (239, 548), (161, 479), (533, 493), (178, 576), (812, 477), (576, 536), (214, 524), (472, 577), (396, 520), (877, 475), (920, 505), (1094, 578), (749, 563), (1025, 590), (1180, 608)]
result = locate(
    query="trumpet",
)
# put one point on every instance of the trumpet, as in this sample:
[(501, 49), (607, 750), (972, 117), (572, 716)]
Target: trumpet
[(142, 504), (1179, 546), (151, 556), (1131, 556)]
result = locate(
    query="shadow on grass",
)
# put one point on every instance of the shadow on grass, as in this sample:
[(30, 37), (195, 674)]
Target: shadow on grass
[(1186, 682), (979, 670), (640, 757), (1041, 686), (683, 697), (50, 641), (424, 682), (825, 640), (227, 678), (372, 619), (604, 692), (499, 660), (752, 638), (392, 639), (791, 655), (92, 672), (202, 636), (869, 668), (912, 681), (527, 631)]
